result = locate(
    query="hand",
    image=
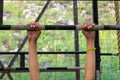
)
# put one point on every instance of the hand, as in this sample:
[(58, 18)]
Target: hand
[(33, 35), (90, 35)]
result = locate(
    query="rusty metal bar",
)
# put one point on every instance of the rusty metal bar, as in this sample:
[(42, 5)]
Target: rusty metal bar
[(59, 27), (46, 69), (102, 54)]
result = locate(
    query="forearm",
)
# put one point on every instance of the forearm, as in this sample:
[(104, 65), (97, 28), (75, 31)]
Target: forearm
[(33, 61), (90, 61)]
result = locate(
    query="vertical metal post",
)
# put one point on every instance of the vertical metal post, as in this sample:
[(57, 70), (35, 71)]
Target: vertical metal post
[(77, 64), (95, 20), (22, 60), (1, 22), (1, 12)]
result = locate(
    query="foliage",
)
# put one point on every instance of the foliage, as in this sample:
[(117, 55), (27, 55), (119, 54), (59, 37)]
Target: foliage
[(61, 41)]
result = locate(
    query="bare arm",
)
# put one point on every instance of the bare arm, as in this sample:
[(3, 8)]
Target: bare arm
[(90, 55), (90, 62), (33, 59)]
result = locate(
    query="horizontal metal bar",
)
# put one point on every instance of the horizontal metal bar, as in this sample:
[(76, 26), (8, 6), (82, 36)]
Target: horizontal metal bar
[(109, 54), (49, 69), (102, 54), (43, 52), (58, 27)]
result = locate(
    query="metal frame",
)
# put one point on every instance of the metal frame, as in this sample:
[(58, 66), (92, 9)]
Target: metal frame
[(76, 39), (95, 20), (75, 69), (75, 52), (59, 27)]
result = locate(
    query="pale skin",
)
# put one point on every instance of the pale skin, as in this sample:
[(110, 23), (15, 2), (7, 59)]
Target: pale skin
[(90, 55), (33, 59)]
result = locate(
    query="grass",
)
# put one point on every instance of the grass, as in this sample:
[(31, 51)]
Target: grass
[(62, 41)]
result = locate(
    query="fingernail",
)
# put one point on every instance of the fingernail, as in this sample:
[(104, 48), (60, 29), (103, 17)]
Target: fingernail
[(31, 25)]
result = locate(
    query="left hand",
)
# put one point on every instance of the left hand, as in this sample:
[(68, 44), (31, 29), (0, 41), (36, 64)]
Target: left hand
[(33, 35)]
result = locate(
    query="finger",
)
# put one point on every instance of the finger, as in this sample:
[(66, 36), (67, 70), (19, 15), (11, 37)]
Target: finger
[(30, 24), (33, 25), (87, 25), (37, 24), (84, 26), (93, 25), (90, 26)]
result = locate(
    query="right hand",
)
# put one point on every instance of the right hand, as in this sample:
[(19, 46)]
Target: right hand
[(90, 35)]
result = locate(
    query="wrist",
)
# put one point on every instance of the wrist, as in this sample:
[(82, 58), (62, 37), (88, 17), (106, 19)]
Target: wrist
[(90, 44), (32, 41), (90, 41)]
